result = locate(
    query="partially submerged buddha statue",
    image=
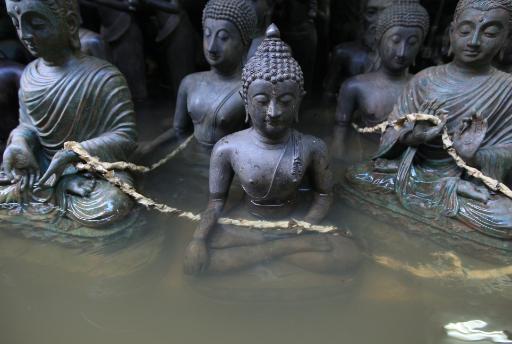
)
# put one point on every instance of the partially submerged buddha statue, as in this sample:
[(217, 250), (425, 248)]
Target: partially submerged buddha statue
[(361, 56), (270, 160), (368, 99), (412, 173), (209, 103), (65, 96)]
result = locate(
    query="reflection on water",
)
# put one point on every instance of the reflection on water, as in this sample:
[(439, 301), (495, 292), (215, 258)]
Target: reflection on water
[(138, 294)]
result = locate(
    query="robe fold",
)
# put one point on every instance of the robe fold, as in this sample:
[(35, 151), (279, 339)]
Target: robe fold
[(426, 180), (88, 102)]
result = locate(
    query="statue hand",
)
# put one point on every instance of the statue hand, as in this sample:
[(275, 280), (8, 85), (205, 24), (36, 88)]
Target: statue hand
[(424, 131), (19, 164), (469, 136), (143, 149), (196, 257), (57, 166)]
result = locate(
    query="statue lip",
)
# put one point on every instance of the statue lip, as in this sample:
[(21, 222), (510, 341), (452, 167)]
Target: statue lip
[(471, 52), (213, 56)]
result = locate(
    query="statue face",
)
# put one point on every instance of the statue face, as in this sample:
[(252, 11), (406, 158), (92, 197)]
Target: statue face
[(39, 29), (273, 107), (399, 46), (477, 36), (222, 43)]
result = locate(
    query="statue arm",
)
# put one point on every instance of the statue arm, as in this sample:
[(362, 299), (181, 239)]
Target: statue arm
[(347, 103), (24, 132), (322, 184), (117, 116), (495, 161), (182, 121), (221, 176)]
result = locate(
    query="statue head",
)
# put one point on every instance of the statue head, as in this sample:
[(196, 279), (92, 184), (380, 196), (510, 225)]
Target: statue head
[(47, 28), (479, 31), (371, 13), (400, 32), (272, 86), (228, 28)]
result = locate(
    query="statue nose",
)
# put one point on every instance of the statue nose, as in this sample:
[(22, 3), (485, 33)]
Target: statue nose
[(272, 110), (475, 40)]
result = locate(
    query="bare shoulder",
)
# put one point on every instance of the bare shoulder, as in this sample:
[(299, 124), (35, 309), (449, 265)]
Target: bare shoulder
[(353, 84), (315, 146), (226, 145)]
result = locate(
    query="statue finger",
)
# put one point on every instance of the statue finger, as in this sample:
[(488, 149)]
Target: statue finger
[(24, 182), (52, 169)]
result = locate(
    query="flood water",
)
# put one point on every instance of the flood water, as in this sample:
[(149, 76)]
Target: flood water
[(135, 291)]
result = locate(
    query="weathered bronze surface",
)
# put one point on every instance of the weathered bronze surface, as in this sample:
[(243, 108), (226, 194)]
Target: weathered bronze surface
[(412, 170), (209, 103), (361, 56), (271, 160), (64, 96), (368, 99)]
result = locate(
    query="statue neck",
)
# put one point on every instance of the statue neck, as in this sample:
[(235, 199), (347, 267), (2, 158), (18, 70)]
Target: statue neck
[(227, 73), (393, 74), (63, 60), (272, 141), (470, 70)]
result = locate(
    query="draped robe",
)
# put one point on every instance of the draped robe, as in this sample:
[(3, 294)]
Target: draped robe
[(426, 179), (88, 102)]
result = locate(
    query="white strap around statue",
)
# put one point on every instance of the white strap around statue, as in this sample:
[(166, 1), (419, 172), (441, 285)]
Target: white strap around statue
[(470, 331)]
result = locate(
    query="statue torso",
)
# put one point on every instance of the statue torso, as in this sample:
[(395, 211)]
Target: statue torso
[(269, 174), (376, 97), (215, 107)]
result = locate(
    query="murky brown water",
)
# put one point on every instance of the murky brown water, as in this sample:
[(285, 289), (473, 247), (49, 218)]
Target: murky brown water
[(136, 292)]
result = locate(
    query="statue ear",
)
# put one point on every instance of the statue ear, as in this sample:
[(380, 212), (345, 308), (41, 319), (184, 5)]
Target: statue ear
[(450, 34), (73, 24)]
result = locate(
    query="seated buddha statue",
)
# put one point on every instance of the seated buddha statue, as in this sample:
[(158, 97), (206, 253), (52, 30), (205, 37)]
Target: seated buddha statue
[(368, 99), (209, 103), (65, 96), (413, 172), (270, 160), (360, 56)]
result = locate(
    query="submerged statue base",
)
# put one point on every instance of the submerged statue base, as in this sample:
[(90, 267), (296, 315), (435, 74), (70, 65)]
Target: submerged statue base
[(49, 222), (444, 231)]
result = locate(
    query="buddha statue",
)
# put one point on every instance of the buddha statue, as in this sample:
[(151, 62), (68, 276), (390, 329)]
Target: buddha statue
[(209, 103), (92, 44), (65, 96), (264, 10), (175, 34), (361, 56), (413, 174), (270, 160), (370, 97), (123, 34)]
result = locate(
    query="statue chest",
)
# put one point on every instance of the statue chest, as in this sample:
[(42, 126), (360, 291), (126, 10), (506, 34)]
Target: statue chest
[(267, 175), (376, 102), (216, 107)]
